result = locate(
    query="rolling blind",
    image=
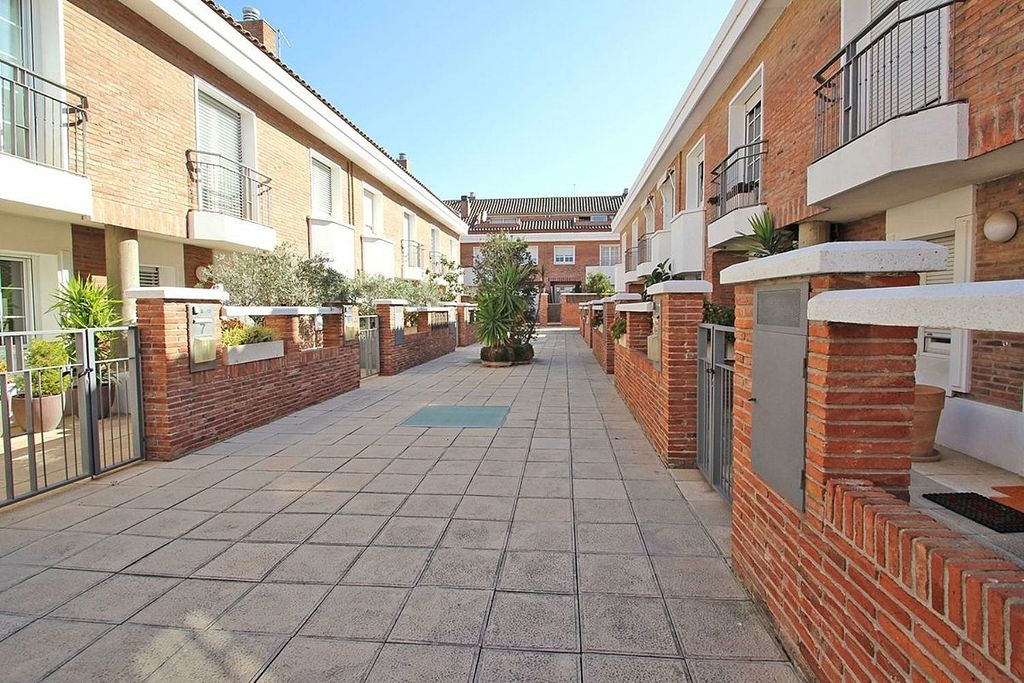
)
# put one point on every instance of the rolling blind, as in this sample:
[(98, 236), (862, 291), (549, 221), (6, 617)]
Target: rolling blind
[(221, 181), (220, 129), (323, 190)]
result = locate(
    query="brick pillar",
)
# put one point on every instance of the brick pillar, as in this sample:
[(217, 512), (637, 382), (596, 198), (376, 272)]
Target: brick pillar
[(286, 328), (609, 339), (638, 328), (387, 338), (423, 321), (334, 330), (544, 308), (681, 313)]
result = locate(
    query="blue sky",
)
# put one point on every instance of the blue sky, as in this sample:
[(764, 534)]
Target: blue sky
[(503, 98)]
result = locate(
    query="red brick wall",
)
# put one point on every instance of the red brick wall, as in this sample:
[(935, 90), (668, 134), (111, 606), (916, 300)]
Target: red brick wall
[(195, 257), (467, 331), (587, 254), (864, 230), (416, 349), (88, 252), (186, 411), (719, 260), (571, 307)]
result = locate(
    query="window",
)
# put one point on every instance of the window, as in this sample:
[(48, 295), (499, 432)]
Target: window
[(322, 179), (936, 340), (752, 136), (410, 245), (149, 276), (370, 209), (534, 254), (695, 177), (15, 294), (220, 143), (668, 196), (477, 253), (565, 255), (609, 255), (649, 217), (635, 231), (599, 218)]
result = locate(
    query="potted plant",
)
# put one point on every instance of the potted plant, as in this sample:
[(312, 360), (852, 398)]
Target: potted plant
[(661, 273), (618, 330), (766, 240), (49, 379), (82, 304), (249, 343)]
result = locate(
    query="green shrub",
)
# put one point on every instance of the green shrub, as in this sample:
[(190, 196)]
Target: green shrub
[(598, 283), (719, 314), (618, 328), (247, 334), (53, 356)]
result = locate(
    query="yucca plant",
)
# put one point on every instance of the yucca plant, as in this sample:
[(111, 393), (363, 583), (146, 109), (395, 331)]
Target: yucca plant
[(81, 303), (766, 240)]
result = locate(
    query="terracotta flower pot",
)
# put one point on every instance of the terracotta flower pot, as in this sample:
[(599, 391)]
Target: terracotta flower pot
[(47, 412), (928, 404)]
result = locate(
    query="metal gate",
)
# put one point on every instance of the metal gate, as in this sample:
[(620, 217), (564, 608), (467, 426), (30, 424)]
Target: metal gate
[(714, 405), (369, 345), (70, 407)]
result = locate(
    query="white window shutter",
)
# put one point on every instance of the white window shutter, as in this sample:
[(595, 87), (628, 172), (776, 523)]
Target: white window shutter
[(322, 188)]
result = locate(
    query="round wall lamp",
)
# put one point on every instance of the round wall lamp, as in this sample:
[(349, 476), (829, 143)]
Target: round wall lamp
[(1001, 226)]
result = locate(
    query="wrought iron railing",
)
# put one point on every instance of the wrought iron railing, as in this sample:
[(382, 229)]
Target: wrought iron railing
[(898, 65), (715, 364), (224, 186), (436, 261), (412, 253), (643, 248), (41, 120), (630, 259), (737, 180)]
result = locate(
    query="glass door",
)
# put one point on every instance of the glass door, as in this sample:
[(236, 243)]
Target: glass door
[(15, 294), (15, 57), (752, 135)]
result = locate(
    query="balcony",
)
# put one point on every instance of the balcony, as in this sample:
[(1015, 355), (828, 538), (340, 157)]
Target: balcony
[(631, 261), (42, 144), (884, 114), (231, 204), (737, 193), (412, 259), (643, 250), (437, 262)]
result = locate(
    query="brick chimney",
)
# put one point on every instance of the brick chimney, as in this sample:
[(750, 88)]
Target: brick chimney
[(253, 22), (465, 204), (403, 160)]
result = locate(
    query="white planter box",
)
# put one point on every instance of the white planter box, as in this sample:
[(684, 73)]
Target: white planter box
[(250, 353)]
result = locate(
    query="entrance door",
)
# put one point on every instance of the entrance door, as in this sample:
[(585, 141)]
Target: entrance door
[(369, 346), (15, 295), (780, 388)]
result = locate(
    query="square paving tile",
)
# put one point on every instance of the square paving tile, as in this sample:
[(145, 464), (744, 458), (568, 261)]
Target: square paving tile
[(603, 511), (633, 625), (437, 505), (218, 656), (609, 538), (384, 566), (546, 487), (314, 659), (541, 536), (228, 526), (538, 572), (677, 540), (419, 532), (37, 595), (617, 668), (114, 553), (116, 599), (444, 484), (543, 510), (245, 560), (349, 529), (272, 608), (617, 574), (452, 616), (598, 488), (181, 557), (462, 568), (498, 508), (130, 652), (315, 564), (500, 666), (471, 533), (726, 629), (327, 502), (711, 671), (363, 612), (490, 417), (168, 523), (288, 528), (373, 504), (399, 663), (193, 604), (697, 577), (533, 621), (26, 660)]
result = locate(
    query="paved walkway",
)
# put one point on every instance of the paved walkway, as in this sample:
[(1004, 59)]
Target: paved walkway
[(337, 545)]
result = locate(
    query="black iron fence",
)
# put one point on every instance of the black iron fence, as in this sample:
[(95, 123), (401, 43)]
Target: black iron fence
[(41, 120), (643, 248), (714, 405), (630, 260), (224, 186), (896, 66), (737, 180)]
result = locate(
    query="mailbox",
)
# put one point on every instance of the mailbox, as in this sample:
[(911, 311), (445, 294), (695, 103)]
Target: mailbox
[(202, 339), (351, 323), (654, 338)]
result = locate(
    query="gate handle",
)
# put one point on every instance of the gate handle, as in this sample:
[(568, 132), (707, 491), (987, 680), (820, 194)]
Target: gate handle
[(751, 400)]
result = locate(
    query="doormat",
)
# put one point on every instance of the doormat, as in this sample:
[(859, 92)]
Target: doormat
[(481, 417), (982, 510)]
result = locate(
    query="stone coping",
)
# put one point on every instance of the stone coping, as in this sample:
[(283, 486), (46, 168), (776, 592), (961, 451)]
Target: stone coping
[(879, 256), (427, 309), (177, 294), (626, 296), (282, 310), (642, 307), (390, 302), (680, 287), (985, 306)]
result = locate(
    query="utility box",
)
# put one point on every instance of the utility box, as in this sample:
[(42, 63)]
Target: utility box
[(202, 336)]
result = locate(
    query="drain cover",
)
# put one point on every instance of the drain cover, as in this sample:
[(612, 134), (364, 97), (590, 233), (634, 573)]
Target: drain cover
[(489, 417), (982, 510)]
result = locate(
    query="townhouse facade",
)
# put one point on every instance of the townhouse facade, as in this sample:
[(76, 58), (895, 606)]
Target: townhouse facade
[(569, 237), (857, 120), (141, 138)]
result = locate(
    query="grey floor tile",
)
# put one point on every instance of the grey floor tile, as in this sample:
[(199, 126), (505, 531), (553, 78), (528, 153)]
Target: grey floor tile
[(192, 604), (541, 536), (497, 508), (545, 487), (398, 663), (272, 608), (327, 502), (429, 505), (314, 659), (470, 533), (393, 483), (228, 526), (10, 623), (677, 540), (43, 645), (502, 666), (417, 532), (169, 523), (50, 550), (711, 671), (609, 538), (288, 527), (697, 577), (485, 485), (38, 594), (533, 621), (181, 557), (538, 572), (657, 512), (598, 488), (213, 499), (244, 560), (453, 616), (543, 510), (116, 599), (129, 652), (618, 668), (362, 612), (373, 504), (214, 656), (603, 511), (626, 624), (617, 574), (315, 564), (349, 529), (385, 566), (114, 553), (726, 629)]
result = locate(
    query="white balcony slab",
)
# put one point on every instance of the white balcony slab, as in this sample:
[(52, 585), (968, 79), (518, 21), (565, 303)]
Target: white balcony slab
[(378, 256), (228, 233), (986, 306), (177, 294), (687, 248), (36, 190), (733, 225), (841, 257), (336, 241)]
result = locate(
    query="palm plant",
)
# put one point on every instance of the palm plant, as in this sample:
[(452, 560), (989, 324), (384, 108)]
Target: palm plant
[(80, 304), (661, 273), (766, 240)]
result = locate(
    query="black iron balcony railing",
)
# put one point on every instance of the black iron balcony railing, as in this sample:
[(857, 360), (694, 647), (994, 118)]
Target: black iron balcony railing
[(412, 253), (643, 248), (897, 65), (737, 180), (41, 120), (631, 262), (227, 187)]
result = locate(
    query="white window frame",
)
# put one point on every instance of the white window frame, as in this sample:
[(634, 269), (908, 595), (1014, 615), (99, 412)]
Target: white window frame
[(635, 230), (555, 257), (477, 251), (696, 176), (668, 200), (28, 286), (649, 217), (613, 249), (376, 227), (248, 117), (751, 93), (336, 186)]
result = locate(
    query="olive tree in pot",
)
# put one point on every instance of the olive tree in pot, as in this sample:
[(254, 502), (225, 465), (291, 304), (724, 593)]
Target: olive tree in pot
[(82, 304), (49, 377)]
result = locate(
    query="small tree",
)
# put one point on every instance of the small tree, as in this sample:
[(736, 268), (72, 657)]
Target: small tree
[(497, 252), (598, 283), (767, 240), (278, 278), (449, 277)]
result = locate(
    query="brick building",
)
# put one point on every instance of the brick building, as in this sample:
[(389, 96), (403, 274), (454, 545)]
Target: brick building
[(568, 236), (152, 135), (857, 120)]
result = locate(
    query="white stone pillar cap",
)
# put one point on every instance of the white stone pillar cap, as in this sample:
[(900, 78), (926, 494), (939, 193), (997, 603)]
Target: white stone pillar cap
[(680, 287), (177, 294)]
